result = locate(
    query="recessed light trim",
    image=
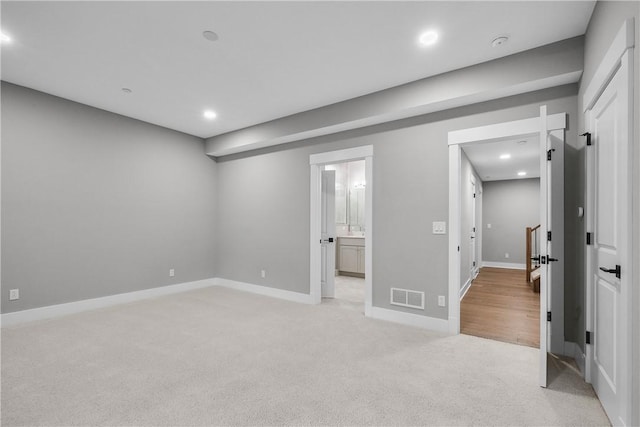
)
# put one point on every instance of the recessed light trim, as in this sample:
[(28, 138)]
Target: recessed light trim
[(210, 35), (522, 173), (428, 38), (5, 38), (126, 90), (522, 142), (505, 156), (209, 114)]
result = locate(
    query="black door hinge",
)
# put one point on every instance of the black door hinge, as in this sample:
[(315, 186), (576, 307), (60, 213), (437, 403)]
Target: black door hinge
[(474, 195), (548, 316), (548, 235), (588, 337), (588, 238), (549, 153), (588, 135)]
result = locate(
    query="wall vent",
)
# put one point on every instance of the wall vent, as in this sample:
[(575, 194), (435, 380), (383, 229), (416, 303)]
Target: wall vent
[(407, 298)]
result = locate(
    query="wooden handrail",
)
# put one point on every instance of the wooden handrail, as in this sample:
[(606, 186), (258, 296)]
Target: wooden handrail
[(529, 269)]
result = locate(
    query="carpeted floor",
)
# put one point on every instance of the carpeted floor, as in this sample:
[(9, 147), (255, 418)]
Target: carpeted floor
[(217, 356)]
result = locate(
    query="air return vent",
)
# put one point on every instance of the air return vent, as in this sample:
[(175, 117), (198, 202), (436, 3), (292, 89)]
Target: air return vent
[(407, 298)]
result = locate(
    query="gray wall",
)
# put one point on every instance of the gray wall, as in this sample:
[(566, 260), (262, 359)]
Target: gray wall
[(263, 200), (96, 204), (606, 20), (509, 206)]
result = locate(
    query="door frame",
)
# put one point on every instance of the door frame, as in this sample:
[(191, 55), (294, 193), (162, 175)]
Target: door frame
[(483, 134), (316, 162), (620, 53)]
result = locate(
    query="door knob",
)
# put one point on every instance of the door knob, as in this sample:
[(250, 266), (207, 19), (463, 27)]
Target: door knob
[(615, 271)]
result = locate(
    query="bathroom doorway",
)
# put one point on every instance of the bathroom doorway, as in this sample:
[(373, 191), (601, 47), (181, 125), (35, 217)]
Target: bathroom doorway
[(340, 263), (350, 226)]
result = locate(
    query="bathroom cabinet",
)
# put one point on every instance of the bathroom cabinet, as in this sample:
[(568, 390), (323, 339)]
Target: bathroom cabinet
[(351, 255)]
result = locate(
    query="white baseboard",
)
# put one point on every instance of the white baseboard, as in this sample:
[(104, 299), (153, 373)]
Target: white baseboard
[(425, 322), (265, 290), (572, 349), (510, 265), (465, 289), (52, 311)]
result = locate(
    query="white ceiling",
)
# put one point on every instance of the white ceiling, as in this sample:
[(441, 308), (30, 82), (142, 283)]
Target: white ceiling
[(272, 59), (525, 156)]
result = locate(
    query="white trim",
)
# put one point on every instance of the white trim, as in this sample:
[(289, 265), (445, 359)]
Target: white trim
[(348, 154), (514, 266), (624, 40), (409, 319), (316, 161), (59, 310), (265, 291), (506, 130), (465, 289), (454, 237)]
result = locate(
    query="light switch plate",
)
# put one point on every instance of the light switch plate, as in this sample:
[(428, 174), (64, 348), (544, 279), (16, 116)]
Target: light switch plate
[(439, 227)]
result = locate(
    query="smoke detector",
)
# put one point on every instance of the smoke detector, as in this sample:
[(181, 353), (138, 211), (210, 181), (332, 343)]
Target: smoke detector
[(499, 41)]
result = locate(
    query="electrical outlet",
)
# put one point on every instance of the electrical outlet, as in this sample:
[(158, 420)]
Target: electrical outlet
[(488, 225), (506, 255), (172, 272), (263, 273), (14, 294), (439, 227), (441, 301)]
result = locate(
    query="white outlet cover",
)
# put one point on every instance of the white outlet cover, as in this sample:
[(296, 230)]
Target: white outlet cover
[(263, 273), (172, 272), (488, 225), (441, 300), (14, 294)]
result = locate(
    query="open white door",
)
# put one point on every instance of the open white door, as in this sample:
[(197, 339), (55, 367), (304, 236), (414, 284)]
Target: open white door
[(608, 266), (545, 277), (328, 234), (472, 232)]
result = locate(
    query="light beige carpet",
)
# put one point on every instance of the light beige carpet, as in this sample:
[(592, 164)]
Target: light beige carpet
[(222, 357)]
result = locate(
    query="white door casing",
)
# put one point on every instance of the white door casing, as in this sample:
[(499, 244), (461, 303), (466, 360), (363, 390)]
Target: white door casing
[(609, 221), (328, 234)]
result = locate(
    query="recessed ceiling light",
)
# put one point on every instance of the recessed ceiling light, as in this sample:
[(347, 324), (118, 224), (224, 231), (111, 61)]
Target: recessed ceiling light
[(428, 38), (126, 90), (208, 114), (522, 173), (521, 142), (210, 35), (505, 156), (499, 41), (5, 38)]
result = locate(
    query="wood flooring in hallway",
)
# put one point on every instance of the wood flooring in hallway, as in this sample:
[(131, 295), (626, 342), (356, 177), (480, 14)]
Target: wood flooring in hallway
[(502, 306)]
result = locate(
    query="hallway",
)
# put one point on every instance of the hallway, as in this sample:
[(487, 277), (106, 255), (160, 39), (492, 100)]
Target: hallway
[(500, 305)]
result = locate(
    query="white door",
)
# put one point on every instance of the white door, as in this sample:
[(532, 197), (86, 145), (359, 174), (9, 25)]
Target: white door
[(472, 232), (608, 266), (547, 257), (328, 233)]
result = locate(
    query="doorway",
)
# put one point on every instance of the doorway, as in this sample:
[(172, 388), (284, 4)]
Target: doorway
[(500, 303), (350, 220), (361, 259), (550, 132)]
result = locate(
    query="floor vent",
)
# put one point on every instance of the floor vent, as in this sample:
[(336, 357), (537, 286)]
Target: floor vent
[(407, 298)]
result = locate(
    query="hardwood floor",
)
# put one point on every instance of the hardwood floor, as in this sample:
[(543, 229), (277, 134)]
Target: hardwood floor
[(500, 305)]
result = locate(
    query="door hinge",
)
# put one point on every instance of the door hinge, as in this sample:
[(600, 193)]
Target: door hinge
[(474, 229), (588, 135), (474, 263), (588, 238), (548, 316), (588, 337), (474, 195), (548, 235), (549, 153)]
